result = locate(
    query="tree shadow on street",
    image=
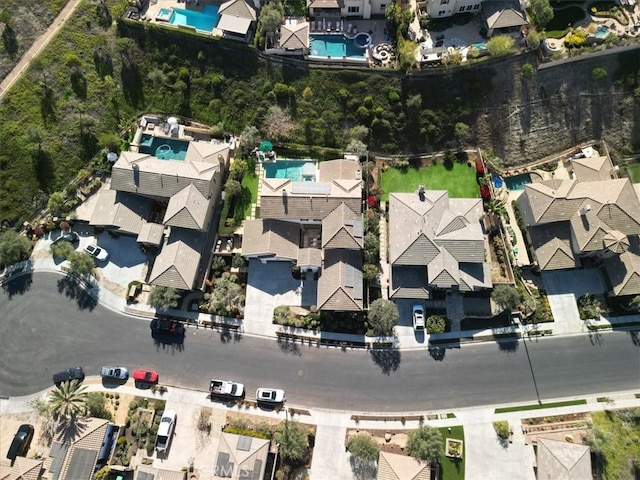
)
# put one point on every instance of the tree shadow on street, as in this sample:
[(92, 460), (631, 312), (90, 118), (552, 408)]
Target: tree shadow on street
[(635, 337), (228, 335), (388, 359), (508, 344), (75, 290), (289, 346), (595, 337), (437, 352), (363, 470), (18, 286)]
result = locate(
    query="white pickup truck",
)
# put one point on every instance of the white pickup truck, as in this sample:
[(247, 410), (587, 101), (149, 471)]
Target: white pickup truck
[(225, 388)]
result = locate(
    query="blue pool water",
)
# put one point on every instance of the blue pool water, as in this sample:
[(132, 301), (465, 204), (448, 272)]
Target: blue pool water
[(163, 148), (602, 31), (480, 46), (335, 46), (497, 182), (205, 21), (291, 169), (517, 182)]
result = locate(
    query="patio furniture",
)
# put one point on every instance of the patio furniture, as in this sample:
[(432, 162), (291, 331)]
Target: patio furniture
[(349, 27)]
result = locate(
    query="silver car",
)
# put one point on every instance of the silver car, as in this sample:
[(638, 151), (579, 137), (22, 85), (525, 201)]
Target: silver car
[(116, 373), (270, 395)]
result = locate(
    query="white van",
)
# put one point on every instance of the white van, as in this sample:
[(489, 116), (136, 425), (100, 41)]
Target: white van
[(165, 430)]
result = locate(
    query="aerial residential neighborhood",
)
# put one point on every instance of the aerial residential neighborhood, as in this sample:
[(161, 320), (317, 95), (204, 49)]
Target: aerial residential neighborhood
[(319, 240)]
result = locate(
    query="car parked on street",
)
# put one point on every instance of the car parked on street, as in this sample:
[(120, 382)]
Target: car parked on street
[(73, 373), (115, 373), (418, 318), (165, 430), (21, 442), (145, 376), (270, 395), (163, 325), (97, 252)]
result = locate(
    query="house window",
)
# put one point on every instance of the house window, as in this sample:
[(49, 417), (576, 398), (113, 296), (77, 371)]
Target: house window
[(461, 9), (383, 7), (444, 2), (441, 13), (476, 6), (353, 10), (469, 7)]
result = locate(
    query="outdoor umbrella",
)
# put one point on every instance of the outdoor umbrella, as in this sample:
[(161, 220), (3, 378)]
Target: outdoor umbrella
[(266, 146)]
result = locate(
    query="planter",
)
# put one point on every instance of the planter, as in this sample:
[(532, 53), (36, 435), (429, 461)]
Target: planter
[(454, 448)]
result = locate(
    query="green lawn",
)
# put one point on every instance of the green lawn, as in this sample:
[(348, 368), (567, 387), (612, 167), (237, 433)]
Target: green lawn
[(250, 181), (452, 469), (634, 173), (460, 181), (537, 406), (620, 443)]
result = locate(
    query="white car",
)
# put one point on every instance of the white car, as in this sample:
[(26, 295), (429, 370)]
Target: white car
[(116, 373), (97, 252), (418, 318), (165, 430), (270, 395)]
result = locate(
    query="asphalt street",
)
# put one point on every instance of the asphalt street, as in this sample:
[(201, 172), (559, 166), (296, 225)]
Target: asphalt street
[(47, 325)]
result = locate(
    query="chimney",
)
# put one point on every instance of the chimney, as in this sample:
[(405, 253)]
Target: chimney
[(585, 209), (284, 192)]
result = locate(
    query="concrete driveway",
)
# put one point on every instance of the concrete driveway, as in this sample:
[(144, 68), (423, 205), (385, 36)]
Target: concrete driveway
[(563, 290), (126, 260)]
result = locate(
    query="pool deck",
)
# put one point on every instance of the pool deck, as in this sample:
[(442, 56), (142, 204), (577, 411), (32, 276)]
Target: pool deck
[(154, 8)]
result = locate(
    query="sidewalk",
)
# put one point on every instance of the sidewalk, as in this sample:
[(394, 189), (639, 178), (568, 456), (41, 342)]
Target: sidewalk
[(485, 455), (37, 46)]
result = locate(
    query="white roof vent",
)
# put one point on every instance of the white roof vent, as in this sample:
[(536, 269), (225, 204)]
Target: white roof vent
[(585, 209)]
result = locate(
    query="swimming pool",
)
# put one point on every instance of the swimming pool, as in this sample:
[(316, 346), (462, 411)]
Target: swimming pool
[(205, 21), (602, 31), (163, 148), (294, 170), (517, 182), (335, 46), (497, 182)]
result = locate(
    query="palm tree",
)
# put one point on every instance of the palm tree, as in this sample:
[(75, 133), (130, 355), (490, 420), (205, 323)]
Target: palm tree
[(68, 401), (497, 208)]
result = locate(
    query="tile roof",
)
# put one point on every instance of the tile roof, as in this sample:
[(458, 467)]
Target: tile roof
[(151, 233), (409, 282), (342, 168), (284, 199), (323, 4), (23, 469), (552, 244), (309, 257), (563, 460), (188, 209), (435, 231), (342, 228), (81, 449), (147, 472), (125, 211), (237, 8), (176, 265), (246, 457), (294, 37), (503, 14), (592, 168), (623, 270), (393, 466), (234, 24), (147, 175), (340, 284), (271, 238)]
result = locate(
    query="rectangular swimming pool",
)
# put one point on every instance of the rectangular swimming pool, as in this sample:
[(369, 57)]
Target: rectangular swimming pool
[(294, 170), (205, 21), (517, 182), (335, 46), (163, 148)]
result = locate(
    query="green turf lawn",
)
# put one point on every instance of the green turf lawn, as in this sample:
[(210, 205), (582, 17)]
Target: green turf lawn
[(250, 181), (621, 442), (634, 173), (460, 181), (452, 469)]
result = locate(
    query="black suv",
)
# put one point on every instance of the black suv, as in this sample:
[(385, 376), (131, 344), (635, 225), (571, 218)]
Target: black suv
[(163, 325), (74, 373), (21, 442)]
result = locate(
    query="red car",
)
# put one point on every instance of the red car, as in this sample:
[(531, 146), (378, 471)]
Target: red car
[(145, 376)]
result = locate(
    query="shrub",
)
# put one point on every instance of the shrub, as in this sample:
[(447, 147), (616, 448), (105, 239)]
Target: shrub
[(436, 324), (502, 429), (589, 307), (247, 432)]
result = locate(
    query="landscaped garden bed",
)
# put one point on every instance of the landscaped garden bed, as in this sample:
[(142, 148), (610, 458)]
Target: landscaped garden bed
[(338, 322)]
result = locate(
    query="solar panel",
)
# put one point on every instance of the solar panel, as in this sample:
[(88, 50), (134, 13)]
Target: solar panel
[(81, 465), (224, 468), (145, 476), (59, 453), (311, 188), (257, 468), (244, 443)]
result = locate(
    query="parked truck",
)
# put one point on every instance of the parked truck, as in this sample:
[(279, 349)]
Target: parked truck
[(226, 389)]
